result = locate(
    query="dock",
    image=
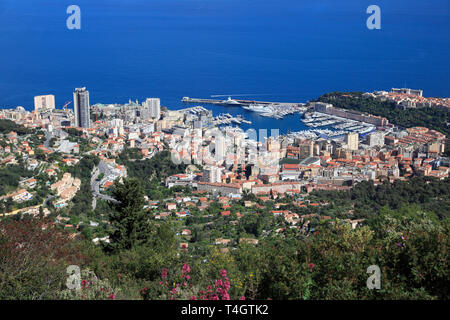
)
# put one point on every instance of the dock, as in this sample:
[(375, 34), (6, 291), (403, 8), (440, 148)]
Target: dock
[(238, 102)]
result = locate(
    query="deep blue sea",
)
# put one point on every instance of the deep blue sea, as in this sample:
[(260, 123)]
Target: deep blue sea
[(280, 50)]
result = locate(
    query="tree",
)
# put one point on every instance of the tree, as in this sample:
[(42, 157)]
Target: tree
[(251, 224), (130, 223)]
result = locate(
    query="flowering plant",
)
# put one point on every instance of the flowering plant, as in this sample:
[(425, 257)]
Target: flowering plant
[(185, 289), (92, 288)]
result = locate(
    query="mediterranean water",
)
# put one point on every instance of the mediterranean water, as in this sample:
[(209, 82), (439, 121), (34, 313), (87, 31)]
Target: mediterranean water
[(272, 50)]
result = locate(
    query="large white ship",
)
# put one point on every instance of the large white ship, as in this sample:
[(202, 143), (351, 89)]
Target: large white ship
[(259, 108)]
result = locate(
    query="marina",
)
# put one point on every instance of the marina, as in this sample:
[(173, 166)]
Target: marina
[(221, 119), (226, 118), (338, 124), (316, 124), (276, 110)]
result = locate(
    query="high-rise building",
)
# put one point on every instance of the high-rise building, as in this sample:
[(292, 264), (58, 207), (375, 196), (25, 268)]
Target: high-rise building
[(351, 139), (154, 107), (220, 147), (306, 149), (144, 113), (212, 174), (81, 108), (375, 139), (44, 103), (117, 126)]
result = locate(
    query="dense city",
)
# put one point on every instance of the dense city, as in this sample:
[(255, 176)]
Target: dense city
[(215, 186)]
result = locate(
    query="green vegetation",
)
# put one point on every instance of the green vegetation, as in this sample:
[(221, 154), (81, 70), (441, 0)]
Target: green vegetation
[(160, 166), (74, 132), (52, 142), (151, 172), (129, 221), (82, 202), (432, 118), (367, 200), (10, 176), (139, 247), (411, 251), (34, 256), (6, 126)]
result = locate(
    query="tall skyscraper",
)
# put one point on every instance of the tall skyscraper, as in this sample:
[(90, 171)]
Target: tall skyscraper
[(220, 147), (351, 139), (154, 107), (81, 108), (44, 103), (376, 139)]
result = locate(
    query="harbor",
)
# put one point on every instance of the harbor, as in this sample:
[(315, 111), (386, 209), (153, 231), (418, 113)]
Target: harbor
[(276, 110), (310, 123), (338, 124), (220, 119)]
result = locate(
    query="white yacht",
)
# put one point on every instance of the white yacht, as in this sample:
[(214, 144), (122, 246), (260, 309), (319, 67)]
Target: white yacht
[(231, 101)]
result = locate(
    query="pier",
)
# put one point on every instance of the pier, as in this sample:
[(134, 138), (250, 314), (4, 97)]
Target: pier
[(239, 102)]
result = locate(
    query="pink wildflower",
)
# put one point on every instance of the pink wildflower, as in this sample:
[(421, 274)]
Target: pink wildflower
[(186, 268)]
